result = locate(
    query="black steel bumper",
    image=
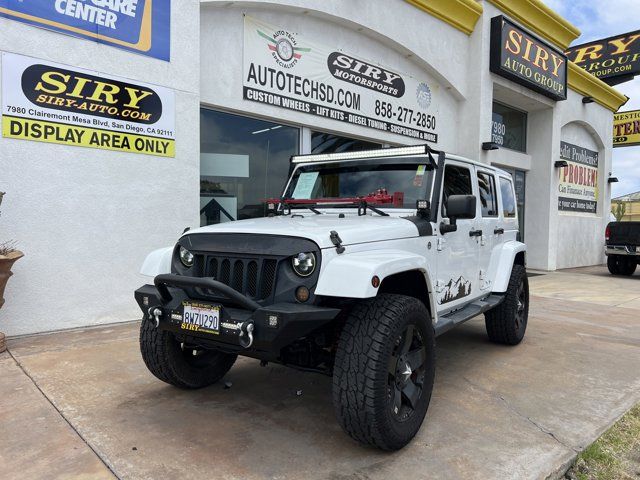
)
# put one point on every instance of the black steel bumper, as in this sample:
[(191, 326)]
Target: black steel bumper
[(274, 326)]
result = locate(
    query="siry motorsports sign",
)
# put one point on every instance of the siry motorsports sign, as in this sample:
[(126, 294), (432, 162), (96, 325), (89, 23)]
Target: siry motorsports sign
[(140, 26), (526, 59), (611, 58), (626, 128), (48, 102), (286, 70), (578, 186)]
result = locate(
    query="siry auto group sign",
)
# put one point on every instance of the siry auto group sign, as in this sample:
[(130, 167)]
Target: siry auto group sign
[(526, 59), (610, 58)]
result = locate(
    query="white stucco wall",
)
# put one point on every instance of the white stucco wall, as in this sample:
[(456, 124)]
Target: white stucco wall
[(86, 218)]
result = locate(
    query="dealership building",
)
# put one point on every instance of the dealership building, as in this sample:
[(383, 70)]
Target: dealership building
[(125, 122)]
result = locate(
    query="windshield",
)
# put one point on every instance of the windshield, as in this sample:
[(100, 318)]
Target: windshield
[(405, 182)]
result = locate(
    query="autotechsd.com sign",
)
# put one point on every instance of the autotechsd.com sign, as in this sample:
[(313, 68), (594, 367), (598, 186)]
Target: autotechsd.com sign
[(48, 102), (284, 69), (141, 26)]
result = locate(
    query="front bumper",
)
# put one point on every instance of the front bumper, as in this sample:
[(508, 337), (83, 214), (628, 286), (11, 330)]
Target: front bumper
[(621, 250), (274, 326)]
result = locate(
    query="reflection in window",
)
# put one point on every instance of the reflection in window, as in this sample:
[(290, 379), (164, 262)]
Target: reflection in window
[(487, 189), (508, 200), (243, 161), (329, 143), (457, 181), (509, 127)]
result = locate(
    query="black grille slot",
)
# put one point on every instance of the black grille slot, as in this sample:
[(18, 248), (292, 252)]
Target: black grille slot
[(254, 277), (267, 278), (238, 274), (225, 271)]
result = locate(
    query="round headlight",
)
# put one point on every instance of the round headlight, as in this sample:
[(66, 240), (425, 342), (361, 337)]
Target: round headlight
[(186, 257), (304, 264)]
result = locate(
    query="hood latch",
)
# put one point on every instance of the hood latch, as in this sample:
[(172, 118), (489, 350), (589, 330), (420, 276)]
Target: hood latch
[(337, 241)]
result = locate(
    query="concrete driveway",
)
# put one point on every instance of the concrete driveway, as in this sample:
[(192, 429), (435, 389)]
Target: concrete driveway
[(82, 405)]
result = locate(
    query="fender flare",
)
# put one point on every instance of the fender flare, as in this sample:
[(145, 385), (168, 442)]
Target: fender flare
[(157, 262), (350, 275), (506, 260)]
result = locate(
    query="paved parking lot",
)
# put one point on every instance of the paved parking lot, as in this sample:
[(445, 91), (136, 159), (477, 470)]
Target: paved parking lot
[(81, 404)]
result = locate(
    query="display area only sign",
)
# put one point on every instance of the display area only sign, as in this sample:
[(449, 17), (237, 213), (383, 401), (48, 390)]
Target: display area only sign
[(285, 69), (49, 102), (626, 128), (141, 26), (578, 187)]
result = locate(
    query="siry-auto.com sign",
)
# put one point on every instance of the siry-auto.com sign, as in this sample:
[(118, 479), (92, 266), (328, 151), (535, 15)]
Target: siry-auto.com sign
[(286, 70), (610, 58), (48, 102), (526, 59)]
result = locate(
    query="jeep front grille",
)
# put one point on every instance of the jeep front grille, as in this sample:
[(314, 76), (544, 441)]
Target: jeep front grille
[(254, 277)]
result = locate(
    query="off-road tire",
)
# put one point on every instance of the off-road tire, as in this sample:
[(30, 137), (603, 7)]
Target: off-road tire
[(368, 344), (621, 265), (164, 357), (507, 323)]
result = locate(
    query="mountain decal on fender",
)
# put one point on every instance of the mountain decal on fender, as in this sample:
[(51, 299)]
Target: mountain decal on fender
[(454, 290)]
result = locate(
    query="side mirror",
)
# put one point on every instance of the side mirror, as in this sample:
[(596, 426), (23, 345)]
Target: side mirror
[(458, 207), (461, 207)]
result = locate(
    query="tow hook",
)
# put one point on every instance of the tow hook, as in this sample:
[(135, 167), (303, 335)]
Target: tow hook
[(246, 329), (154, 315)]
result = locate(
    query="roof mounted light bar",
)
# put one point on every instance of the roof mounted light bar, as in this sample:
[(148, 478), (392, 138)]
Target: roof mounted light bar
[(382, 152)]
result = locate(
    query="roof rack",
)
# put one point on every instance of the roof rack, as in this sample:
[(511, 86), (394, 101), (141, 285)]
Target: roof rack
[(381, 152)]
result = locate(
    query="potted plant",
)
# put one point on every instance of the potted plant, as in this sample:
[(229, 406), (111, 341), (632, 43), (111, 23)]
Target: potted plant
[(8, 256)]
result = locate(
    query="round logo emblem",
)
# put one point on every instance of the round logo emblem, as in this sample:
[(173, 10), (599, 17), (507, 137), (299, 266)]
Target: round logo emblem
[(423, 95), (284, 49)]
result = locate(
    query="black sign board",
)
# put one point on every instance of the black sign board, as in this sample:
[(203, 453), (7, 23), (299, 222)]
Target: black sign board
[(526, 59), (611, 58)]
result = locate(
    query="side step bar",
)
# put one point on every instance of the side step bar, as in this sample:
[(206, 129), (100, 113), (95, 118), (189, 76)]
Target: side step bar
[(450, 320)]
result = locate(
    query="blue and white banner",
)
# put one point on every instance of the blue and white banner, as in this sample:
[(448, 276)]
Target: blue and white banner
[(141, 26)]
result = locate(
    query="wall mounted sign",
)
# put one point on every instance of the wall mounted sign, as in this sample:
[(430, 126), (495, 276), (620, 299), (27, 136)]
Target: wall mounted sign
[(610, 58), (626, 128), (141, 26), (286, 70), (48, 102), (527, 60), (578, 187)]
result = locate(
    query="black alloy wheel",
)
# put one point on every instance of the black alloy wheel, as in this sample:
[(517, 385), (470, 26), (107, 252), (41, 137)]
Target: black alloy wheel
[(407, 366)]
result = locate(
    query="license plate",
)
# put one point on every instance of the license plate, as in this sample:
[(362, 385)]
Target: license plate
[(201, 318)]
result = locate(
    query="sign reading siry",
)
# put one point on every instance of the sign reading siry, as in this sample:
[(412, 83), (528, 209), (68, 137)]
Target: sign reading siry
[(47, 102), (288, 70), (141, 26), (611, 57), (525, 59), (626, 128)]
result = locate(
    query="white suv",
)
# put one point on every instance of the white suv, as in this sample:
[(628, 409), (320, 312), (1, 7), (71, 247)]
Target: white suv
[(363, 262)]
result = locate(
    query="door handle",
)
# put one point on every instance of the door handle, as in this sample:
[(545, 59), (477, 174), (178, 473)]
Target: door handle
[(475, 233), (498, 231)]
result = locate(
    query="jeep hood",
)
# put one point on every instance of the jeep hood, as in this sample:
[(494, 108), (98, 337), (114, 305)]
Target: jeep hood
[(352, 229)]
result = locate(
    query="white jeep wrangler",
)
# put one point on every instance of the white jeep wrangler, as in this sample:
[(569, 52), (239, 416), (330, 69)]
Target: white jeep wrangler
[(366, 258)]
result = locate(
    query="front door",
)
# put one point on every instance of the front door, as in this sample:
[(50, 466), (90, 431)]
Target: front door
[(457, 259)]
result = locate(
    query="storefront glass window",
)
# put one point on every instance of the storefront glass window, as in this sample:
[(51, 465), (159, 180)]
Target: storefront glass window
[(243, 161), (509, 127), (329, 143)]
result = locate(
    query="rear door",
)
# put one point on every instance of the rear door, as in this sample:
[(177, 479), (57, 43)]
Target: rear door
[(489, 222), (457, 252)]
